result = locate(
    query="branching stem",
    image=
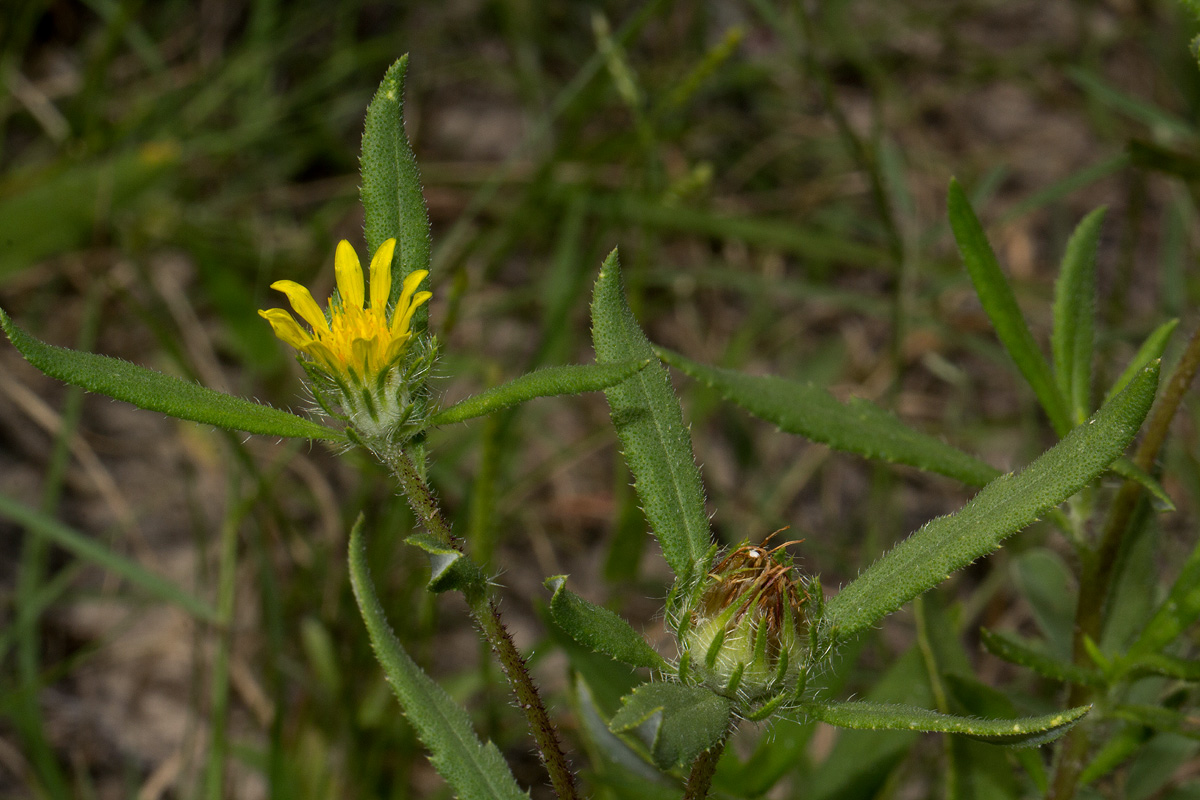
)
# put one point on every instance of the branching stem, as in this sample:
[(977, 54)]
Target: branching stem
[(487, 617)]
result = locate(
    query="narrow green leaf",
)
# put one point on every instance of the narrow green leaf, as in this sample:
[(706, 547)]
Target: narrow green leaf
[(856, 427), (1119, 747), (1022, 732), (1159, 664), (391, 183), (545, 382), (1131, 471), (1001, 306), (598, 628), (155, 391), (1074, 316), (449, 569), (1003, 507), (1185, 722), (90, 550), (475, 771), (677, 722), (1150, 350), (1015, 651), (649, 423), (1177, 612)]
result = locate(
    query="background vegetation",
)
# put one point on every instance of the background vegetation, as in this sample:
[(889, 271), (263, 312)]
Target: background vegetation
[(776, 184)]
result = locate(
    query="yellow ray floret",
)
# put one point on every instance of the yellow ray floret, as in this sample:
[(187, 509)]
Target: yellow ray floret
[(356, 340)]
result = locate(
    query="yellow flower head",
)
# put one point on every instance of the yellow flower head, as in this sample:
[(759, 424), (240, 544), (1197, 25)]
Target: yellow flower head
[(356, 341)]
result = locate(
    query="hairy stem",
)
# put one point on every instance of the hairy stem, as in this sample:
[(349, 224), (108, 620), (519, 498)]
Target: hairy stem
[(700, 778), (1099, 563), (487, 617)]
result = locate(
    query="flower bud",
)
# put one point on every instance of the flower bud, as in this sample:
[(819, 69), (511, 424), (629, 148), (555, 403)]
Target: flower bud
[(746, 633)]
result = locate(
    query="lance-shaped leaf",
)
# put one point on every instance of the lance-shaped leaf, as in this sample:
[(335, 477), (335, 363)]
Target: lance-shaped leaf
[(155, 391), (475, 771), (391, 182), (676, 722), (1074, 316), (1022, 732), (1126, 468), (599, 629), (1013, 650), (649, 423), (1003, 507), (856, 427), (1150, 350), (1182, 722), (546, 382), (1159, 664), (1001, 306)]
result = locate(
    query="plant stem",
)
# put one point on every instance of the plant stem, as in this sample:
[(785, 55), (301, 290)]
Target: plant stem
[(487, 617), (1099, 563), (700, 778)]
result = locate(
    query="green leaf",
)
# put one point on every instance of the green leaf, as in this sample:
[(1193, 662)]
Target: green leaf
[(450, 569), (856, 427), (89, 549), (391, 183), (155, 391), (598, 628), (676, 722), (1001, 306), (1159, 664), (1177, 612), (1131, 471), (1119, 747), (546, 382), (1023, 732), (1150, 350), (475, 771), (649, 423), (1015, 651), (1184, 723), (1074, 316), (1003, 507)]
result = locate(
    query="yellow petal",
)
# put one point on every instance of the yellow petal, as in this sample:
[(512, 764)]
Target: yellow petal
[(361, 348), (406, 296), (349, 275), (286, 328), (302, 300), (324, 356), (416, 303), (395, 348), (381, 276)]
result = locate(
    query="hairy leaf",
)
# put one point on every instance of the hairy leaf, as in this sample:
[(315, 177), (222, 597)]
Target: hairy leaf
[(1023, 732), (546, 382), (1003, 507), (1150, 350), (649, 423), (155, 391), (475, 771), (1013, 650), (855, 427), (1001, 306), (391, 183), (1074, 316), (677, 722), (600, 629)]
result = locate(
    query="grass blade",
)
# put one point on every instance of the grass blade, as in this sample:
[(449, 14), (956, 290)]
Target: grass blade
[(90, 550), (1003, 507)]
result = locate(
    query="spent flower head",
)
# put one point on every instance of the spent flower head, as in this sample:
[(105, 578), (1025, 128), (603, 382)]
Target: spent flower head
[(745, 633), (366, 363)]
